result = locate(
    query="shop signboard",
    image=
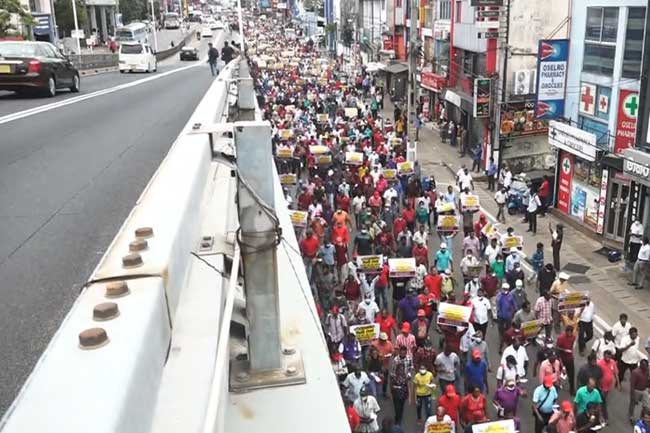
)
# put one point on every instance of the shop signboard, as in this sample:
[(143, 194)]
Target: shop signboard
[(401, 267), (453, 314), (573, 301), (433, 82), (552, 58), (602, 202), (566, 174), (482, 97), (518, 119), (574, 140), (628, 108), (502, 426), (366, 333), (636, 164)]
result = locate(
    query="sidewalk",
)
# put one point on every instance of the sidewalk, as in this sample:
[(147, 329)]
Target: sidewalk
[(605, 281)]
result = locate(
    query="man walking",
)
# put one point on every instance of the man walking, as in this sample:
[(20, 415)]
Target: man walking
[(501, 197), (213, 58), (534, 205), (641, 265), (226, 53)]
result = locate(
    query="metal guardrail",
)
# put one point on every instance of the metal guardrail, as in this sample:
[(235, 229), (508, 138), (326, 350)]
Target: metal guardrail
[(164, 54)]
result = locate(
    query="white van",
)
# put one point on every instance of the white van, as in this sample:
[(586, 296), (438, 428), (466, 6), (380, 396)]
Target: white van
[(135, 56)]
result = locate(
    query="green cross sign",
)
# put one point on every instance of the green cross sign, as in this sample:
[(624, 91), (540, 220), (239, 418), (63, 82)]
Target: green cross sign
[(566, 165), (630, 106)]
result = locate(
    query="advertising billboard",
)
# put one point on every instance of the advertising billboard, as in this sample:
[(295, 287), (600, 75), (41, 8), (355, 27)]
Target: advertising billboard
[(552, 69)]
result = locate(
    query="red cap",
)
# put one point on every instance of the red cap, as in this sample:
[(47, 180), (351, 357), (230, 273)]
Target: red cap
[(476, 354), (406, 327), (566, 406), (421, 313), (450, 391), (334, 309), (482, 216), (548, 380)]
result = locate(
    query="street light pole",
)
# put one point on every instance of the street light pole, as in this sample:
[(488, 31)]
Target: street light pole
[(412, 58), (155, 35), (76, 26)]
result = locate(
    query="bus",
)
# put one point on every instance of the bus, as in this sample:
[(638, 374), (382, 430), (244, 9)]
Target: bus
[(134, 32), (172, 20)]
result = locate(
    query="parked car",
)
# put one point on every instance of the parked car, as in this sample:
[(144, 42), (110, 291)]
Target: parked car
[(189, 53), (136, 56), (36, 66)]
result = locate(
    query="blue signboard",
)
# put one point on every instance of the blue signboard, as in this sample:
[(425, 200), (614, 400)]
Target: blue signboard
[(43, 30), (552, 70)]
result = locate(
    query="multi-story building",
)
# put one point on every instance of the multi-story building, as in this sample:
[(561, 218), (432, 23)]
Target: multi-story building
[(593, 185)]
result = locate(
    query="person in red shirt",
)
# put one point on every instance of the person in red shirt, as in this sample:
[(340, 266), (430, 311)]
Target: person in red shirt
[(398, 225), (304, 199), (451, 402), (384, 241), (610, 378), (309, 249), (409, 215), (473, 406), (343, 202), (387, 323), (421, 254), (543, 193), (428, 303), (565, 343), (353, 416), (433, 284), (340, 234)]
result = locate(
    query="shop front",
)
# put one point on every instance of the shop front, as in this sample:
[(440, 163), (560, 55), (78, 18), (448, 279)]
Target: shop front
[(432, 85), (441, 31), (636, 168), (580, 181)]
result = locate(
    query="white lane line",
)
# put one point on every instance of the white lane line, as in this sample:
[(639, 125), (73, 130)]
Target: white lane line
[(43, 108)]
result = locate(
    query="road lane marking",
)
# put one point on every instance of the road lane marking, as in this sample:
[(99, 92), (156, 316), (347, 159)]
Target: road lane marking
[(43, 108)]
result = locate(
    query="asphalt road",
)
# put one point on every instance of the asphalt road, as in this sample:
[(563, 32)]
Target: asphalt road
[(69, 176)]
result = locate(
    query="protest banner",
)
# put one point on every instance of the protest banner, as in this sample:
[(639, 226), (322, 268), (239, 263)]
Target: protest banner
[(288, 179), (284, 152), (319, 150), (531, 328), (285, 134), (370, 264), (474, 271), (405, 168), (502, 426), (322, 118), (490, 231), (324, 160), (469, 203), (351, 112), (366, 333), (512, 241), (401, 268), (299, 218), (573, 301), (440, 427), (354, 158), (394, 142), (390, 173), (453, 315), (448, 223)]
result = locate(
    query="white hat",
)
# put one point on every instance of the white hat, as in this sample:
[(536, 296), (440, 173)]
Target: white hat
[(443, 246), (514, 250), (448, 271), (564, 276), (505, 286), (519, 283)]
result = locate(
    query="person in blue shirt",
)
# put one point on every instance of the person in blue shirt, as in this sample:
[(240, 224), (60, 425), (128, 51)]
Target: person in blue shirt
[(544, 398), (537, 260), (506, 309), (477, 157), (643, 424), (476, 373), (491, 174), (443, 259)]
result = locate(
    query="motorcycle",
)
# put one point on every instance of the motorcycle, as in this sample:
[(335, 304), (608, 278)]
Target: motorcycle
[(518, 195)]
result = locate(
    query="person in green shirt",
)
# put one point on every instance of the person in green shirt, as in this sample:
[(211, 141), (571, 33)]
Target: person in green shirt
[(585, 395), (374, 107), (498, 267), (422, 214)]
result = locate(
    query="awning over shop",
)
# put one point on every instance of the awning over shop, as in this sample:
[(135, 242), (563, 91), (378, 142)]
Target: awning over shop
[(397, 68), (612, 161), (375, 67)]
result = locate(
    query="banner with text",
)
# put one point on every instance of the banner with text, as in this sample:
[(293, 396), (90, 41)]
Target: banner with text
[(552, 72)]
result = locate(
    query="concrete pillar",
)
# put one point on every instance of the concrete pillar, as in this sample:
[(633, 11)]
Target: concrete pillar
[(102, 16), (111, 17), (93, 19)]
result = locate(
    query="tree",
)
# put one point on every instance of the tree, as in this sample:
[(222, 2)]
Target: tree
[(65, 16), (8, 9), (134, 10)]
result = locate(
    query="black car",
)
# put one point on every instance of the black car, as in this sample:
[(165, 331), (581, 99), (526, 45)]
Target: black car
[(189, 53), (36, 66)]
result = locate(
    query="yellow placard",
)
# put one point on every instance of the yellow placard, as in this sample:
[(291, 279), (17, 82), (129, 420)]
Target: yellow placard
[(370, 263), (531, 328), (351, 112), (324, 159), (319, 150), (366, 333), (448, 222), (512, 241), (299, 218), (395, 142), (439, 427), (284, 152), (573, 300), (489, 230), (501, 426), (354, 158), (322, 118), (453, 315), (288, 179), (390, 173), (286, 134), (401, 267), (469, 202), (405, 168)]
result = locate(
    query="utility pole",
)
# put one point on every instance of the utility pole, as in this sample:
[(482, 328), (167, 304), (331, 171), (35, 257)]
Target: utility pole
[(412, 58), (155, 35), (502, 94), (76, 26)]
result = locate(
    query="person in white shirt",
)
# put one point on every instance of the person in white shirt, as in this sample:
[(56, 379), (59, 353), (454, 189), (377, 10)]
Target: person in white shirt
[(315, 209), (465, 180), (629, 350), (369, 307), (390, 194), (636, 240), (620, 329), (534, 203), (492, 251), (519, 352), (355, 382), (482, 312), (606, 342), (501, 197), (586, 326), (641, 265), (467, 263), (507, 178), (421, 236), (440, 417), (367, 409), (472, 287), (358, 203)]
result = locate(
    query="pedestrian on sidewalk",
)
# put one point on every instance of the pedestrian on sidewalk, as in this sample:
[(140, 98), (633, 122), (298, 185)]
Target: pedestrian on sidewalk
[(477, 157), (640, 271), (459, 140), (544, 195), (636, 240), (491, 173), (452, 133), (586, 326), (501, 198), (213, 58), (534, 204), (556, 243)]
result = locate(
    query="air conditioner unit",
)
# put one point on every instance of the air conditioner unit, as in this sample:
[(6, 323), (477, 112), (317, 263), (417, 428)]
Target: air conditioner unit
[(522, 81)]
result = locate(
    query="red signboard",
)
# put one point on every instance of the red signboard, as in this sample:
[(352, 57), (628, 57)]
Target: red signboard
[(433, 82), (564, 189), (628, 108), (388, 43)]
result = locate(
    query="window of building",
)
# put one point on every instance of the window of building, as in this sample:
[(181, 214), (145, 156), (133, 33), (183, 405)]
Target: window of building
[(459, 8), (633, 43), (600, 40), (443, 9)]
